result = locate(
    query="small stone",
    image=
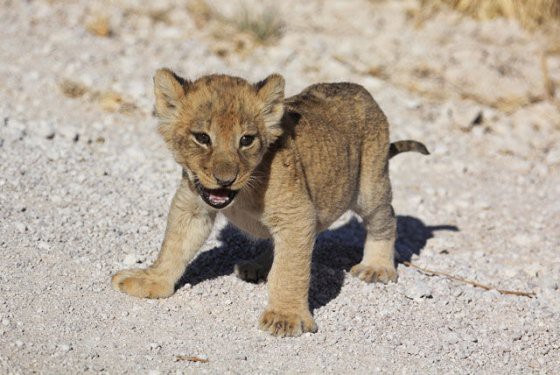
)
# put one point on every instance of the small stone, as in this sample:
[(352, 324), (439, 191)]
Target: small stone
[(5, 322), (485, 205), (492, 294), (65, 348), (155, 346), (412, 349), (416, 200), (44, 129), (478, 131), (413, 104), (418, 290), (131, 259), (517, 335), (19, 343), (440, 149), (451, 338), (523, 240), (553, 156), (20, 227), (466, 115), (469, 338), (548, 282), (43, 245)]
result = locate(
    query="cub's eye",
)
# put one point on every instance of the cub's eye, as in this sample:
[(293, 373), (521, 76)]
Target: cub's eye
[(246, 140), (202, 138)]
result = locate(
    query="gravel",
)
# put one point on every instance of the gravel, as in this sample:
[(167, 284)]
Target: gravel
[(84, 192)]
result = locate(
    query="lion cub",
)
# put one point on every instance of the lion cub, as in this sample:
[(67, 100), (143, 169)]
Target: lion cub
[(276, 168)]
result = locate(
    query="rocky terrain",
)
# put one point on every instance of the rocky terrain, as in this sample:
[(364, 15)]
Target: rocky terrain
[(85, 185)]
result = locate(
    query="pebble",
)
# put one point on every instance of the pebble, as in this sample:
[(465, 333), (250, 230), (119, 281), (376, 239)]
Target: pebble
[(523, 240), (413, 104), (465, 115), (451, 338), (416, 200), (131, 259), (20, 227), (44, 129), (412, 348), (492, 294), (483, 204), (418, 290), (440, 149), (43, 245), (469, 338), (548, 282), (65, 348), (68, 132), (553, 156)]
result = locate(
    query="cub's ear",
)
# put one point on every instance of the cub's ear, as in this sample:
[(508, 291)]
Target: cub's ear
[(271, 92), (169, 89)]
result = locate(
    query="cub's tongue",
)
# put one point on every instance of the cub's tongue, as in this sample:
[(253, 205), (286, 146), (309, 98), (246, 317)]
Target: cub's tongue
[(218, 196)]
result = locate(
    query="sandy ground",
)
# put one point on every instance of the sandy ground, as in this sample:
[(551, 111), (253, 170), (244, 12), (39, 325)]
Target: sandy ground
[(85, 185)]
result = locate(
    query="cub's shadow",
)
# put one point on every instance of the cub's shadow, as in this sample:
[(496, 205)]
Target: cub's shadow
[(335, 251)]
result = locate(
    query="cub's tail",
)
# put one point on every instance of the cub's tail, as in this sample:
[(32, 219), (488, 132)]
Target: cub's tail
[(408, 145)]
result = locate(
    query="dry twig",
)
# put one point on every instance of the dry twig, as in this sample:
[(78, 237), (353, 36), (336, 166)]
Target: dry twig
[(191, 358), (429, 272)]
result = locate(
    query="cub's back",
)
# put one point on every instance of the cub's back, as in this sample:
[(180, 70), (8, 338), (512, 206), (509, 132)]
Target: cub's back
[(342, 107), (332, 123)]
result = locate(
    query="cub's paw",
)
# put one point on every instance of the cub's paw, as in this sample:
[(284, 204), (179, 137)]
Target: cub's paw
[(382, 274), (251, 271), (141, 283), (284, 324)]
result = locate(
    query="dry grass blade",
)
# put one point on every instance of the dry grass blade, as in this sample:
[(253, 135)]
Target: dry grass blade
[(191, 358), (466, 281), (72, 89), (201, 12), (547, 81), (110, 101), (99, 25), (530, 13), (265, 25), (114, 102)]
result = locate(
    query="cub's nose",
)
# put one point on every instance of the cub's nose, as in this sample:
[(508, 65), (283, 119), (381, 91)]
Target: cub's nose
[(225, 182)]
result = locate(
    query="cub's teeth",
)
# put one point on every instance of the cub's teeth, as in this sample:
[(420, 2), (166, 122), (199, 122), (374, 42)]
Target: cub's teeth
[(218, 200)]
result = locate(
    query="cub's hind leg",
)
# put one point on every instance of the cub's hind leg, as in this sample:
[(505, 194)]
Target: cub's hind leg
[(374, 206), (378, 262)]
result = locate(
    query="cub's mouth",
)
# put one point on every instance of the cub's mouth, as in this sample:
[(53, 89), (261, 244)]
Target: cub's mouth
[(216, 198)]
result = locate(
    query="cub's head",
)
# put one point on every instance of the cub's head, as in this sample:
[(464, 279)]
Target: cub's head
[(218, 128)]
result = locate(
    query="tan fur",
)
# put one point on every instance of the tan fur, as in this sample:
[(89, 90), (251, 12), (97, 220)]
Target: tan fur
[(315, 155)]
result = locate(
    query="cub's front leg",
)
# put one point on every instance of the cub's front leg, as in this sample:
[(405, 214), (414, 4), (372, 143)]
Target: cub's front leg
[(188, 225), (287, 313)]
